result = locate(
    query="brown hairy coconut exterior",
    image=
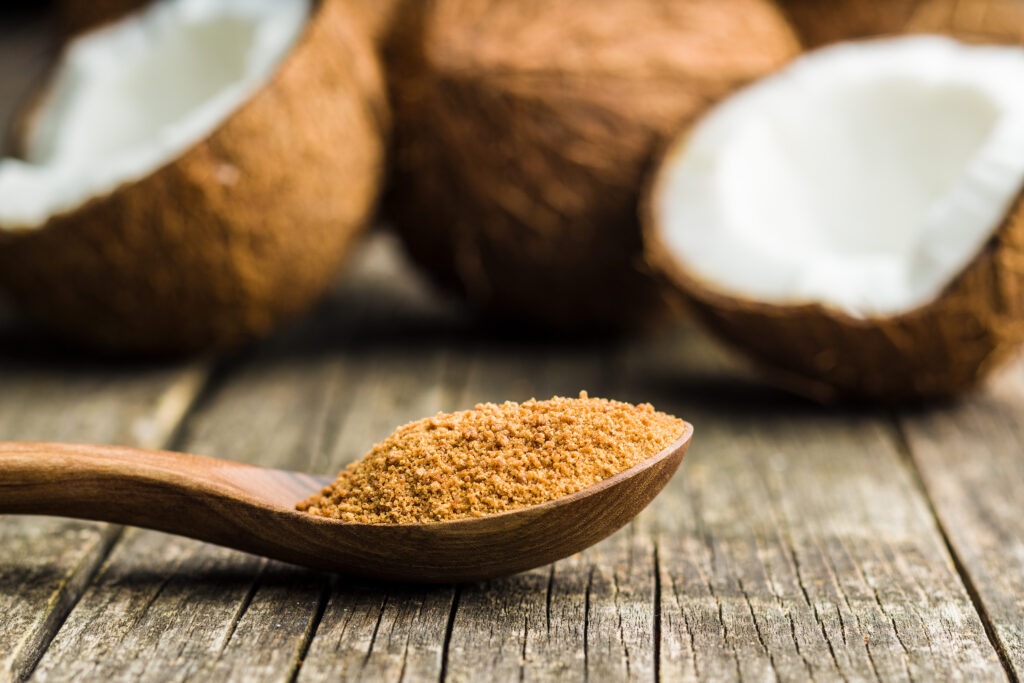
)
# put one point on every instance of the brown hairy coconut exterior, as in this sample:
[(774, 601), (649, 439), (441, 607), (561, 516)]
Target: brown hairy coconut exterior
[(820, 22), (524, 128), (378, 15), (243, 230), (936, 351), (76, 16)]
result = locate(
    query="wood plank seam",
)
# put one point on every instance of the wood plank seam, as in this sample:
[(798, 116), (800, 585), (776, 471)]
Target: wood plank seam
[(376, 628), (586, 621), (965, 576), (66, 599), (547, 598), (448, 633), (657, 611), (618, 615), (314, 624), (243, 606), (526, 640), (163, 426)]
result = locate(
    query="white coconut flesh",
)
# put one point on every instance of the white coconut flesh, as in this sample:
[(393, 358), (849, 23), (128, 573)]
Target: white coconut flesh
[(129, 97), (864, 177)]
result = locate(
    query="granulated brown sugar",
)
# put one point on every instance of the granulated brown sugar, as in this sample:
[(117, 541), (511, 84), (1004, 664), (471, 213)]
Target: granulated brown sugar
[(494, 458)]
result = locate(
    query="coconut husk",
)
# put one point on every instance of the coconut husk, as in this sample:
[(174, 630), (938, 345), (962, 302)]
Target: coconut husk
[(976, 21), (76, 16), (243, 230), (939, 350), (524, 129)]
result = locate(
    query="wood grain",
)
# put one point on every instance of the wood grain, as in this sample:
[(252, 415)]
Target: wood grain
[(309, 400), (45, 563), (969, 457), (796, 543)]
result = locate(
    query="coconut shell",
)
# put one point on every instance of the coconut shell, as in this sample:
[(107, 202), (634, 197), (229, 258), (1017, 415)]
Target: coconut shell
[(979, 21), (939, 350), (378, 15), (244, 229), (524, 129), (75, 16)]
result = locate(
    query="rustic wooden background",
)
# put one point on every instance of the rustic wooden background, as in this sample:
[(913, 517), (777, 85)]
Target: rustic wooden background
[(795, 543)]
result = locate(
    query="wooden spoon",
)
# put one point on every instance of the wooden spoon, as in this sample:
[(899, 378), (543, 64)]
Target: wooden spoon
[(253, 509)]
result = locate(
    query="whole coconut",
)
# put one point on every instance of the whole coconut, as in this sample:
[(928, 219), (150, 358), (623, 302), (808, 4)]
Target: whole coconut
[(242, 230), (76, 16), (982, 21), (524, 129)]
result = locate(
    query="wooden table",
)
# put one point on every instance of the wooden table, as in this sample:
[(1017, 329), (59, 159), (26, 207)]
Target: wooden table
[(796, 541)]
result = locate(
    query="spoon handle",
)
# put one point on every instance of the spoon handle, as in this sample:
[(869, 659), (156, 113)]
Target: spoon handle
[(156, 489)]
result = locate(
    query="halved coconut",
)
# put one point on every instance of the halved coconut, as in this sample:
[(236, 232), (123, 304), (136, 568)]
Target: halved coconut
[(821, 22), (524, 129), (854, 221), (194, 173)]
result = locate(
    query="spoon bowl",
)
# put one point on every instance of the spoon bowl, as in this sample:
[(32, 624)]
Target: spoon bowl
[(252, 508)]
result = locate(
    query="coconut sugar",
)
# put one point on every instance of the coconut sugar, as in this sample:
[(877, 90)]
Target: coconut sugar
[(494, 458)]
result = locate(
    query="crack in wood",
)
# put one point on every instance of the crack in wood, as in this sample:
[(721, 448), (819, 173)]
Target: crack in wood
[(725, 637), (243, 606), (618, 615), (310, 632), (449, 629), (691, 632), (586, 625), (64, 601), (963, 573), (547, 598), (757, 627), (376, 628), (830, 562), (657, 612), (796, 644), (526, 637), (798, 574)]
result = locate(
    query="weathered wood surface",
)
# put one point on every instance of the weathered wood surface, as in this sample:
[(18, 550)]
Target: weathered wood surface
[(795, 543), (45, 563), (971, 462), (174, 608)]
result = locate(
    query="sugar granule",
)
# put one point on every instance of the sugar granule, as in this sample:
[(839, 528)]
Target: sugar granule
[(494, 458)]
